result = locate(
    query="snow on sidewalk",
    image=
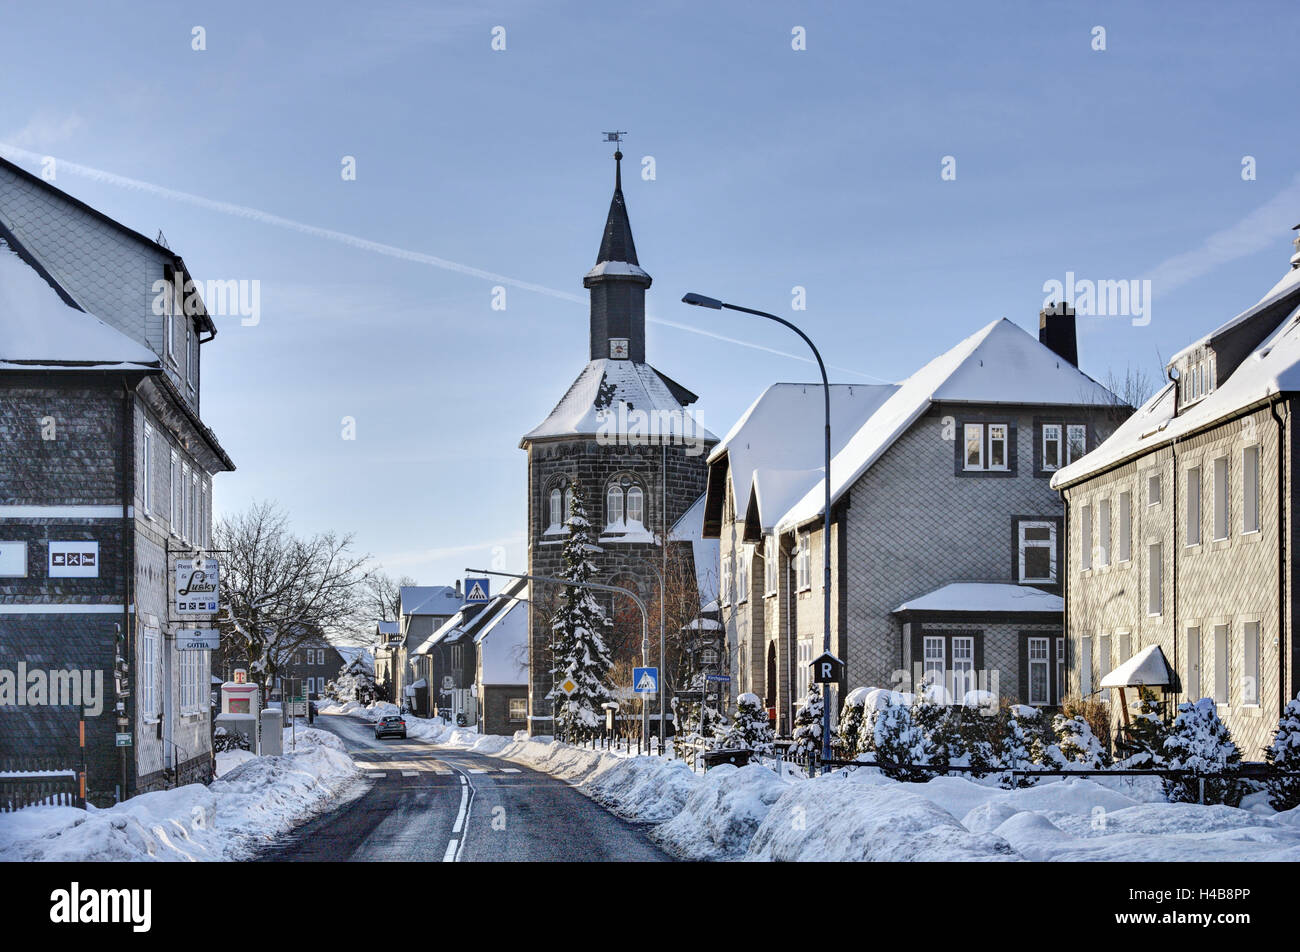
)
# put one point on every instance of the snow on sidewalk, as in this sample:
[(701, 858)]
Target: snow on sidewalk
[(731, 813), (254, 800)]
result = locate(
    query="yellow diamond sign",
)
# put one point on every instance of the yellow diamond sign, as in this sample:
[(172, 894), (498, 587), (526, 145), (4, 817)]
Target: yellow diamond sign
[(568, 686)]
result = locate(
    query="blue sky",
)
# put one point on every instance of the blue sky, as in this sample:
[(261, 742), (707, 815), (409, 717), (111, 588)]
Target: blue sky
[(774, 168)]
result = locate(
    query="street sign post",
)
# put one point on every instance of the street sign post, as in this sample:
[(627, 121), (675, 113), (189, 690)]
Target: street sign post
[(568, 686), (476, 591), (719, 678), (645, 680), (198, 639), (123, 740)]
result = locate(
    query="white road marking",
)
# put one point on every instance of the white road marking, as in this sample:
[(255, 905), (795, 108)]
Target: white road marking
[(450, 855), (410, 773), (511, 770), (464, 802), (478, 770)]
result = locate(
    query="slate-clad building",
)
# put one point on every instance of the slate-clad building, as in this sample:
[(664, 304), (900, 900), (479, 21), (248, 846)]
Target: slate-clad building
[(105, 480), (1182, 527), (624, 433)]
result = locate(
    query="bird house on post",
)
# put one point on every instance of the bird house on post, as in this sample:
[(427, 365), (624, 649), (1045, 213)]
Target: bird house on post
[(827, 669)]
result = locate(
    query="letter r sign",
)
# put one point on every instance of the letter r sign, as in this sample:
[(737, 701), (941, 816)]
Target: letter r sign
[(827, 669)]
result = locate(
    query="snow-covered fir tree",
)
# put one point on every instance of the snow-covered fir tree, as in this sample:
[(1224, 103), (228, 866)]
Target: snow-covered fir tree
[(807, 734), (1200, 742), (935, 720), (900, 741), (980, 729), (579, 628), (1076, 743), (848, 737), (1283, 754), (750, 729), (1014, 751)]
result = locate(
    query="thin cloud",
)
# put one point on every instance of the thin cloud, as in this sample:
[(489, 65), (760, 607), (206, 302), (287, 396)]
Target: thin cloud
[(1255, 232)]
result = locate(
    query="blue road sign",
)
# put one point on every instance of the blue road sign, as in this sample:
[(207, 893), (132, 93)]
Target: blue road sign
[(476, 590), (724, 678), (645, 680)]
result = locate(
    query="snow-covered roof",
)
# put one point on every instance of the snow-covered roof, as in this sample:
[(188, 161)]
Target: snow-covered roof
[(783, 432), (429, 600), (1147, 667), (388, 627), (1272, 368), (503, 603), (984, 597), (704, 552), (617, 267), (610, 397), (703, 624), (1001, 363), (40, 330), (1285, 286)]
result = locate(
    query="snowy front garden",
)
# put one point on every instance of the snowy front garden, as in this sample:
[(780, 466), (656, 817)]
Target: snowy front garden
[(252, 802), (861, 814)]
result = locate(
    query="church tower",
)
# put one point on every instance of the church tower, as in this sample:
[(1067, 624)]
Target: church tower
[(624, 433)]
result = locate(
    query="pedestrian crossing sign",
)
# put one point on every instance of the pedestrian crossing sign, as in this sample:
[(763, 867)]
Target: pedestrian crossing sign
[(476, 591), (645, 680)]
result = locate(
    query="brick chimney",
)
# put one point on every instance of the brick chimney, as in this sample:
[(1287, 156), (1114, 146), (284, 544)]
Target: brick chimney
[(1056, 331), (458, 594)]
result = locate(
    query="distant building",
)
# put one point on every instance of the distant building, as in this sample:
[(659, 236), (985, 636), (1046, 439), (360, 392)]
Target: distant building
[(947, 540), (388, 634), (422, 610), (1181, 526), (105, 482)]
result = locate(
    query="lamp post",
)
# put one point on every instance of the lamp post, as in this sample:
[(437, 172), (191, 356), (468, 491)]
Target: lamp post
[(600, 587), (700, 300)]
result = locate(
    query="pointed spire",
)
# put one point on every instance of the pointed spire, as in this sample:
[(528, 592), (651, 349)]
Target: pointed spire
[(616, 244)]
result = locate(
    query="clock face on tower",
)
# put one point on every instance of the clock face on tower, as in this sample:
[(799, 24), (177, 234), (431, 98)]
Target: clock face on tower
[(618, 348)]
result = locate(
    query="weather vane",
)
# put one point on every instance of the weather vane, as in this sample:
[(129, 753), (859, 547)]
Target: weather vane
[(616, 138)]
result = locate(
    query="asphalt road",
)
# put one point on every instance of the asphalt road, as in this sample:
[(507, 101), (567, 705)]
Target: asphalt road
[(422, 802)]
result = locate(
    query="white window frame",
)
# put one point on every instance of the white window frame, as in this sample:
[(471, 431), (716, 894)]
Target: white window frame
[(1060, 669), (194, 505), (1085, 665), (742, 574), (1250, 484), (146, 488), (555, 502), (771, 565), (1250, 663), (934, 659), (1222, 515), (1071, 431), (1045, 663), (1154, 482), (963, 667), (189, 356), (634, 496), (803, 564), (517, 709), (614, 512), (1125, 527), (1052, 433), (1222, 688), (1155, 579), (1026, 544), (1085, 537), (1103, 532), (169, 321), (966, 463), (171, 492), (148, 680), (1192, 533), (724, 580), (1004, 437), (1193, 686), (803, 664)]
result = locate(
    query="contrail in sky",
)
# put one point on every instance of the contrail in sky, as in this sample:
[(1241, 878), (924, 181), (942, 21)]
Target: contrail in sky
[(363, 244)]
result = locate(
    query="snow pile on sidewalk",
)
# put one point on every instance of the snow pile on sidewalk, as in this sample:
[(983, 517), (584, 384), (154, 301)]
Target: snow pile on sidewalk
[(723, 813), (252, 803)]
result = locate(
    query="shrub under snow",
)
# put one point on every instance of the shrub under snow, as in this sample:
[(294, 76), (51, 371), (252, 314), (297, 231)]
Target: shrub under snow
[(1199, 741), (807, 734), (751, 729), (900, 739), (1283, 755)]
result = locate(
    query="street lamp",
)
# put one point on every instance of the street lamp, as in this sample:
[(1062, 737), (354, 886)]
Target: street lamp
[(700, 300)]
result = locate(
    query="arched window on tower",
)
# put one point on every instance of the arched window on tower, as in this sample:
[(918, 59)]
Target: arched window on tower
[(557, 508), (557, 504), (625, 514)]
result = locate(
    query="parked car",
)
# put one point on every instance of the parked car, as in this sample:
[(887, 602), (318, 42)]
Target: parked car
[(392, 724)]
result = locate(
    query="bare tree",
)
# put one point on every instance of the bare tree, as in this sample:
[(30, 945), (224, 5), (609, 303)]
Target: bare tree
[(282, 592), (384, 595)]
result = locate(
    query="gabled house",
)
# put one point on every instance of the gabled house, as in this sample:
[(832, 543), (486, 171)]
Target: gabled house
[(938, 480), (387, 636), (422, 610), (105, 482), (1180, 526)]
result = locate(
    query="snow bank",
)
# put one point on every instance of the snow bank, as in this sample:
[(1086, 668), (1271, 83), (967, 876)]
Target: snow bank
[(248, 806), (829, 819), (723, 812)]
